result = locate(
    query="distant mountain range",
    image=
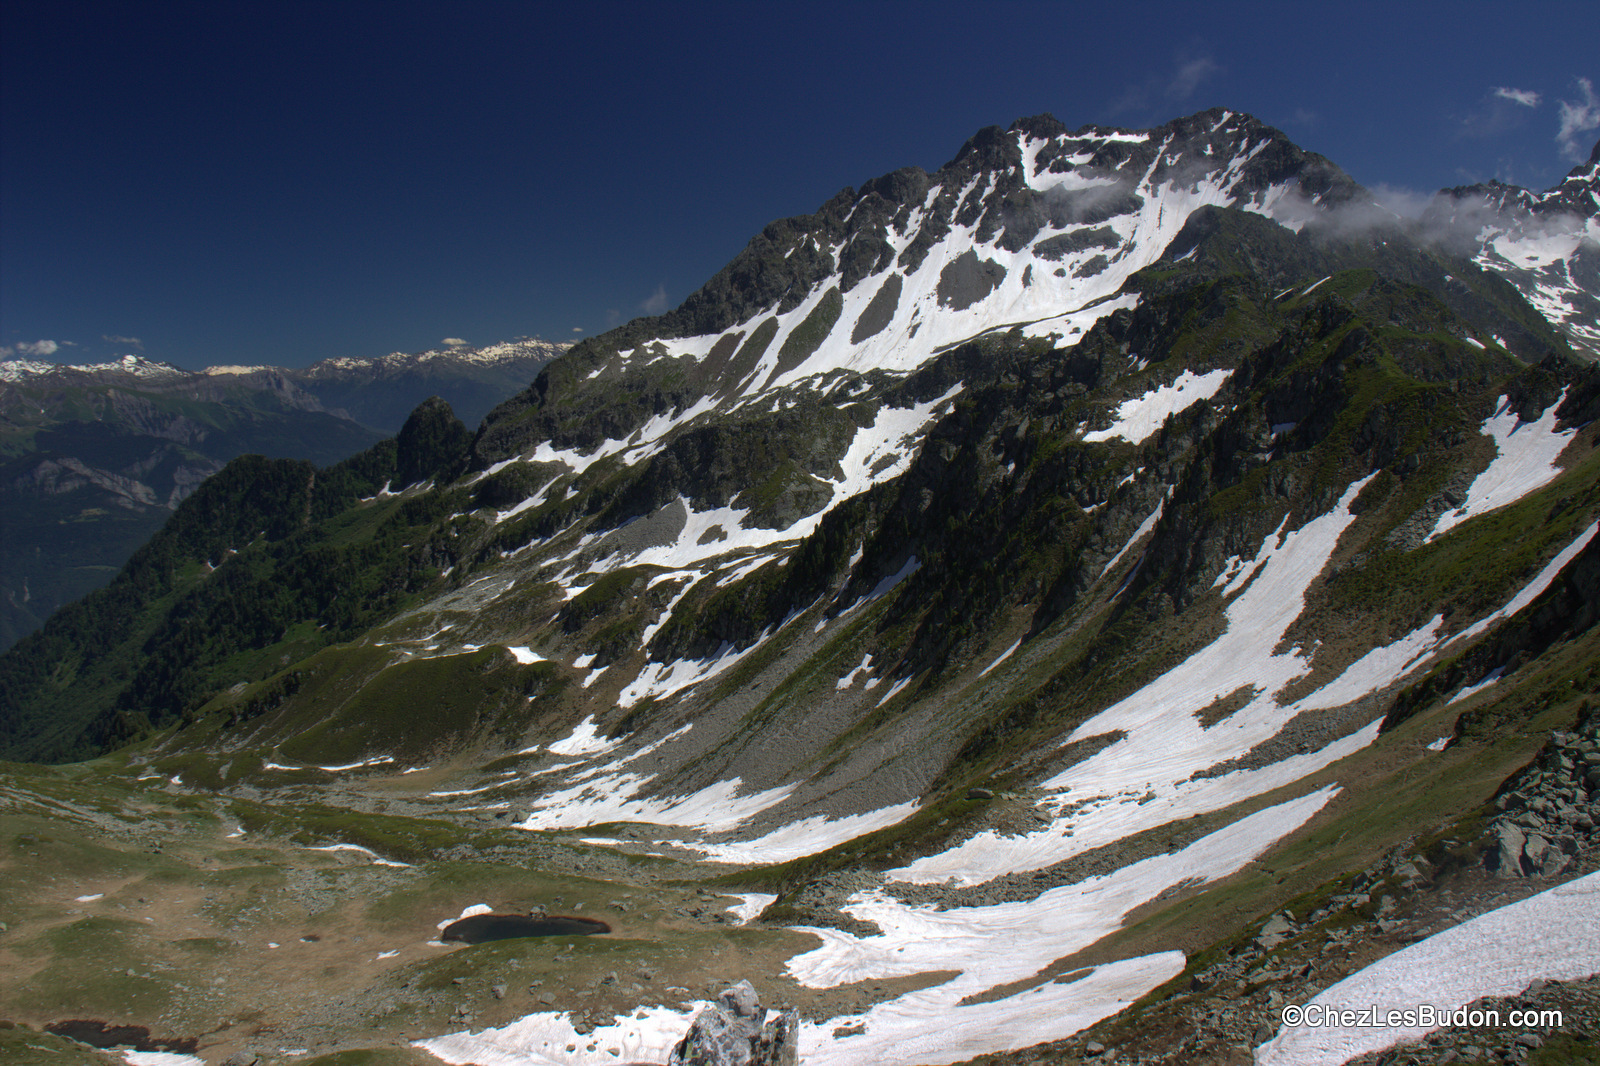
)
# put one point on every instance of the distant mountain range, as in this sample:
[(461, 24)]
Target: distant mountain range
[(93, 459)]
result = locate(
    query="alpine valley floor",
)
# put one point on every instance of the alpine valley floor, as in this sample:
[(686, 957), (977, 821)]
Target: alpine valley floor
[(237, 921)]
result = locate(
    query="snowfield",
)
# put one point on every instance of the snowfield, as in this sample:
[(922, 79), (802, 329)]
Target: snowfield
[(1553, 936), (1139, 419), (1147, 778)]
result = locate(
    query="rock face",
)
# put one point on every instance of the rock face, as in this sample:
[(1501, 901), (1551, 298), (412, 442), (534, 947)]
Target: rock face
[(737, 1032)]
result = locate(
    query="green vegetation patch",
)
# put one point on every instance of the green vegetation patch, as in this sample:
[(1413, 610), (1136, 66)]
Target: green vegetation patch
[(21, 1046), (1474, 566), (391, 836), (351, 706)]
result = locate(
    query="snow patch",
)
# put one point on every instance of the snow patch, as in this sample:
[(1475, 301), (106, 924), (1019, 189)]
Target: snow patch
[(646, 1035), (808, 836), (1552, 936), (750, 905), (377, 859), (609, 798), (584, 740), (850, 679), (1139, 534), (1525, 460), (1138, 419), (469, 912), (1002, 658), (999, 944)]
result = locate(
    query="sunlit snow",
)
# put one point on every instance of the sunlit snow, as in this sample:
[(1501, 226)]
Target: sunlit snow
[(1006, 942), (1553, 936), (1525, 460), (1138, 419)]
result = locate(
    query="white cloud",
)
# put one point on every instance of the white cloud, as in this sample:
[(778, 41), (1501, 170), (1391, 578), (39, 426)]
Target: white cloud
[(132, 342), (1578, 118), (577, 329), (1189, 77), (453, 342), (1407, 203), (1164, 90), (1525, 97), (656, 302), (31, 348)]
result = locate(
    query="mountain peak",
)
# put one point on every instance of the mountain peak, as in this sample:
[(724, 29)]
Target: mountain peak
[(1547, 243)]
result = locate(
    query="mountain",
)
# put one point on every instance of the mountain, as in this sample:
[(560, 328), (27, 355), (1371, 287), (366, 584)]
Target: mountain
[(96, 457), (1547, 244), (381, 392), (1070, 604)]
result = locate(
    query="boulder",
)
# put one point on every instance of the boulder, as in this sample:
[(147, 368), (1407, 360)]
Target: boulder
[(1509, 847), (1533, 851), (1275, 931), (736, 1032)]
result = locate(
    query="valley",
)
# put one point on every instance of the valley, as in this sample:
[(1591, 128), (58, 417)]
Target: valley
[(1067, 605)]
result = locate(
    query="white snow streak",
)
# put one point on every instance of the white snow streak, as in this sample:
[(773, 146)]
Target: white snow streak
[(1525, 460), (808, 836), (750, 906), (995, 945), (1139, 419), (1002, 658)]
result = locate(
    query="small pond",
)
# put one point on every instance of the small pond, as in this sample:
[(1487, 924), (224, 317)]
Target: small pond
[(482, 927), (100, 1034)]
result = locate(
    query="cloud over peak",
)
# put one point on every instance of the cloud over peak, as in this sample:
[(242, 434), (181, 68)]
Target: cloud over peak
[(656, 302), (1165, 90), (1189, 76), (1578, 117)]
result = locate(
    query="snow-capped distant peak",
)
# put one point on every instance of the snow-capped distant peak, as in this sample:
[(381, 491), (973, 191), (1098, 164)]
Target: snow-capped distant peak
[(490, 355), (131, 365), (23, 369)]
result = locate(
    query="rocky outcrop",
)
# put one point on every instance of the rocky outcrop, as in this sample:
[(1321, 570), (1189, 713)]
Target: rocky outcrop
[(1547, 813), (432, 442), (736, 1032)]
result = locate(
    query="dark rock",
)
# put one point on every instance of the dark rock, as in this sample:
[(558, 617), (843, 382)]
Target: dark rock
[(967, 279), (880, 312)]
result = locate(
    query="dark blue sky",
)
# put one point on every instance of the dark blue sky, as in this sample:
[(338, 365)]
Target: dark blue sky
[(241, 182)]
